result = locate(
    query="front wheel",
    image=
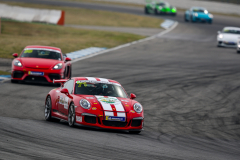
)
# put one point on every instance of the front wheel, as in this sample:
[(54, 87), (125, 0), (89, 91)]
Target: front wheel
[(71, 115), (48, 109), (238, 51), (210, 22)]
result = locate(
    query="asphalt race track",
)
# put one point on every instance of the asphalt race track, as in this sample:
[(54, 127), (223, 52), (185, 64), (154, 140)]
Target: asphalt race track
[(189, 89)]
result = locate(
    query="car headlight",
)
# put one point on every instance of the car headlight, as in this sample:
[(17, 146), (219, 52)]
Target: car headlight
[(220, 36), (84, 103), (17, 63), (137, 107), (195, 14), (210, 16), (58, 66)]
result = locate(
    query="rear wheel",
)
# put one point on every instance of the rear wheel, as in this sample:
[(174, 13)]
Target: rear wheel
[(48, 109), (146, 10), (185, 18), (71, 115)]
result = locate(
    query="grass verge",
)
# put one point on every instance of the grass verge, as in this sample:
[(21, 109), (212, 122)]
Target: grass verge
[(16, 35), (4, 73), (97, 17)]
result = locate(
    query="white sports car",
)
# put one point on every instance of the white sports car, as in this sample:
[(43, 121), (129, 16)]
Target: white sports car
[(228, 37), (238, 45)]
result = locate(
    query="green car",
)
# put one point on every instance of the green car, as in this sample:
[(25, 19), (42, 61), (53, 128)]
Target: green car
[(157, 8)]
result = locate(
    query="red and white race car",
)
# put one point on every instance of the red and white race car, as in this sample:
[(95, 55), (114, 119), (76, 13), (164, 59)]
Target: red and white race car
[(95, 102), (40, 64)]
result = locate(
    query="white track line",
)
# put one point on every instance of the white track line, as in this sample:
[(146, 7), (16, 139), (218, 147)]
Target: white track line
[(129, 44)]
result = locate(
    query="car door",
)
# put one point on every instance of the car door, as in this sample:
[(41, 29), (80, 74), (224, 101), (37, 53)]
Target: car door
[(65, 99)]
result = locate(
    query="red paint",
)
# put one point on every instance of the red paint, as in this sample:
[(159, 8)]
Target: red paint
[(62, 18)]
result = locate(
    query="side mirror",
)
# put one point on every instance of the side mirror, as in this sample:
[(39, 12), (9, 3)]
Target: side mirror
[(219, 32), (64, 91), (132, 96), (67, 59), (15, 55)]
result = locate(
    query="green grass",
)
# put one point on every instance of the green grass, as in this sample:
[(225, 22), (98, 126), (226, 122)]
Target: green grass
[(4, 73), (16, 35), (97, 17)]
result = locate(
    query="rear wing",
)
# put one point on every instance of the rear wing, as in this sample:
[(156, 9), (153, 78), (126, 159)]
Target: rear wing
[(60, 81)]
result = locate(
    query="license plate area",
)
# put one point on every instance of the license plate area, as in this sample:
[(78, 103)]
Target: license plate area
[(36, 73), (114, 118)]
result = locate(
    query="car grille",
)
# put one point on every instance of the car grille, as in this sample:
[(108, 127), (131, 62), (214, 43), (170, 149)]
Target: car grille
[(54, 76), (90, 119), (18, 74), (136, 123), (35, 79), (114, 123), (229, 43)]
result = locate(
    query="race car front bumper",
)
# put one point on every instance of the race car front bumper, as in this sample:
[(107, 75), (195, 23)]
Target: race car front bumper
[(93, 121), (227, 44), (24, 74)]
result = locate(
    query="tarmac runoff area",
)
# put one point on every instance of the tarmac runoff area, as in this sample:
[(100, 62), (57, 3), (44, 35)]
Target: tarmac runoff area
[(212, 6)]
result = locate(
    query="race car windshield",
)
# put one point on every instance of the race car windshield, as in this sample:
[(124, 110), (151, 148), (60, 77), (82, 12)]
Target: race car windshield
[(200, 10), (161, 4), (38, 53), (101, 89), (231, 31)]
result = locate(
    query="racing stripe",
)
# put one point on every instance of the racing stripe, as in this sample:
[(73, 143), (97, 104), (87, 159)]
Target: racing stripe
[(105, 106), (91, 78), (98, 79), (103, 80), (119, 107), (114, 110), (120, 114), (108, 113)]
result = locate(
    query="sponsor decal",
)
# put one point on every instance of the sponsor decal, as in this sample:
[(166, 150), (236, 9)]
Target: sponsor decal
[(112, 118), (61, 100), (28, 51), (94, 108), (95, 81), (124, 100), (132, 111), (36, 73), (82, 83), (79, 118), (95, 103), (127, 105), (100, 115), (90, 97), (66, 103), (109, 100)]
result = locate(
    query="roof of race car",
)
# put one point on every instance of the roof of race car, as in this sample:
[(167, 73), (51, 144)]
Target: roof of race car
[(44, 47), (96, 79), (231, 28)]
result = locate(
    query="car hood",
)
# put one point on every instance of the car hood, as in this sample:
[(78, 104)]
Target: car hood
[(39, 63), (202, 15), (230, 37), (108, 103)]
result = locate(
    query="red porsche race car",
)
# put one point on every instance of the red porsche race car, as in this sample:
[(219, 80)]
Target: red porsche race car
[(94, 102), (40, 64)]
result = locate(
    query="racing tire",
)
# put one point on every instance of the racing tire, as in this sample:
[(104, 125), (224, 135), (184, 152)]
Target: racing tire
[(210, 22), (48, 109), (185, 18), (146, 10), (14, 81), (238, 52), (71, 115), (192, 19), (174, 14), (156, 12), (134, 132)]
